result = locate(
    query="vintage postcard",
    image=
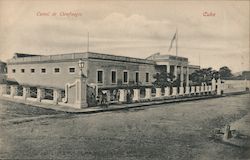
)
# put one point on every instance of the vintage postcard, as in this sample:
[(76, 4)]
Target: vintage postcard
[(124, 80)]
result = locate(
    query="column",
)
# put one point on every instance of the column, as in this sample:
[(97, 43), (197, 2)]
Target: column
[(136, 94), (26, 92), (158, 92), (57, 97), (148, 93), (122, 95), (174, 91), (175, 71), (181, 76), (167, 91), (13, 90), (40, 94), (168, 68)]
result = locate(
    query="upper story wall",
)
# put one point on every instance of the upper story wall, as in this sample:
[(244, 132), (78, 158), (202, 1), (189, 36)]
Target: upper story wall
[(107, 67), (32, 74), (28, 70)]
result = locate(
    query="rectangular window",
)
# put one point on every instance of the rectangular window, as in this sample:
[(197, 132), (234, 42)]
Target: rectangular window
[(32, 70), (71, 70), (22, 70), (113, 76), (136, 77), (147, 77), (125, 76), (43, 70), (13, 70), (56, 70), (99, 76)]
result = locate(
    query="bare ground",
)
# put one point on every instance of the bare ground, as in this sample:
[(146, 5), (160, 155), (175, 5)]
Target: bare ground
[(169, 131)]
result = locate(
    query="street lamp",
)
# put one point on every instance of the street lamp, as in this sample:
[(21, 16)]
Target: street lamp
[(81, 65)]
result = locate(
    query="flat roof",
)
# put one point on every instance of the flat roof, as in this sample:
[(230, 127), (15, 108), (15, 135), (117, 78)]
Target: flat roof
[(76, 56), (164, 57)]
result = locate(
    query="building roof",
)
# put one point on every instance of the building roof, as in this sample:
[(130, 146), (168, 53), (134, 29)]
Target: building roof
[(164, 57), (75, 56), (21, 55), (2, 62)]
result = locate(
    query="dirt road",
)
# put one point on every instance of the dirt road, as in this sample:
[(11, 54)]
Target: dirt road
[(169, 131)]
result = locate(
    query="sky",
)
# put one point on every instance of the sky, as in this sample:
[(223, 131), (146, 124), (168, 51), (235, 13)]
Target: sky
[(129, 28)]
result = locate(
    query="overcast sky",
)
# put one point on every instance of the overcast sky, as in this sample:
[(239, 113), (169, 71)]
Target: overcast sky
[(130, 28)]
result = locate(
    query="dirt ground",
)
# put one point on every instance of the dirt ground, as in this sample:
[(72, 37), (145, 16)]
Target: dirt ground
[(171, 131)]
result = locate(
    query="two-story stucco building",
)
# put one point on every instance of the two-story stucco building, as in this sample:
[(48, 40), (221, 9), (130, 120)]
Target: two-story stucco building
[(106, 71), (40, 76)]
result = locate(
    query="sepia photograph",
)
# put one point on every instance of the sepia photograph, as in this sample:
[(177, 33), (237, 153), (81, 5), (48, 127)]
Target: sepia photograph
[(124, 80)]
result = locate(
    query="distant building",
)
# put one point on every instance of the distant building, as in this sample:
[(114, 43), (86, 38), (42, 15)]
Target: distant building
[(3, 70), (246, 75), (175, 65), (104, 70)]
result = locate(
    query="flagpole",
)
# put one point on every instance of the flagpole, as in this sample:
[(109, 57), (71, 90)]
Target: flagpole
[(199, 59), (176, 43), (88, 43)]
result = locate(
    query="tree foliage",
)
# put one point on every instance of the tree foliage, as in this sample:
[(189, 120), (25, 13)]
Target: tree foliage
[(225, 72), (163, 79), (204, 75)]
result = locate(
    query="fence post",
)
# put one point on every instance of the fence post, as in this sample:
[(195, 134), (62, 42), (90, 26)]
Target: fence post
[(174, 91), (197, 88), (57, 95), (219, 87), (167, 91), (122, 95), (148, 93), (3, 89), (136, 94), (192, 89), (209, 89), (213, 84), (158, 92), (181, 90), (13, 90), (187, 90), (26, 92), (40, 94)]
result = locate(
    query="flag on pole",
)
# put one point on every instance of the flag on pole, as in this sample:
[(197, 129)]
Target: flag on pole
[(172, 41)]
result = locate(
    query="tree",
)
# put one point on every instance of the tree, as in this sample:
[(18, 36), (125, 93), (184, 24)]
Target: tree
[(225, 72), (163, 79), (204, 75)]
